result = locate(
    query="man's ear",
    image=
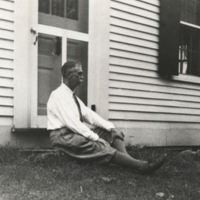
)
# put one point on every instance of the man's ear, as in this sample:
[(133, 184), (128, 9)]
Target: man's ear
[(67, 74)]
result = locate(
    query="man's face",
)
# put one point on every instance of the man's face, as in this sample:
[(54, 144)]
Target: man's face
[(76, 76)]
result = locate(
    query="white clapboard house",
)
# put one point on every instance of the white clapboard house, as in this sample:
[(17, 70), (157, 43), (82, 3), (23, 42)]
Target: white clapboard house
[(141, 60)]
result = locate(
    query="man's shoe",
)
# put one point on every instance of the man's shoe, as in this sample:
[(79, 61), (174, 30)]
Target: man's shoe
[(154, 165)]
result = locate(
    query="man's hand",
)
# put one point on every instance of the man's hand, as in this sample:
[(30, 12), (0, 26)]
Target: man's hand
[(103, 141), (117, 131)]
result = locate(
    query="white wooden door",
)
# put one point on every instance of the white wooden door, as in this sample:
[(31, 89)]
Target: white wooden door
[(49, 76), (49, 67), (51, 56)]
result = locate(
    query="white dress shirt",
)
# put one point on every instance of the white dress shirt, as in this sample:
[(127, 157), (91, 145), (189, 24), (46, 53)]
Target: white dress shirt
[(62, 111)]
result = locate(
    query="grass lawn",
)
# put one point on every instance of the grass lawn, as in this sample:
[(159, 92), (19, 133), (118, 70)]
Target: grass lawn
[(51, 176)]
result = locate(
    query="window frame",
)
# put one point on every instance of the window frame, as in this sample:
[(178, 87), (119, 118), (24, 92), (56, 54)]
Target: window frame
[(170, 19)]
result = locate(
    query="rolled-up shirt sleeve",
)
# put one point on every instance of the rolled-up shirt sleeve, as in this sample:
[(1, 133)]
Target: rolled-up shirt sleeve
[(63, 111)]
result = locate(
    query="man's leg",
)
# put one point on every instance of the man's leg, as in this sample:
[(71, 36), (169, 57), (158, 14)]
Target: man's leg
[(81, 148), (127, 161), (119, 145), (122, 158), (116, 140), (144, 167)]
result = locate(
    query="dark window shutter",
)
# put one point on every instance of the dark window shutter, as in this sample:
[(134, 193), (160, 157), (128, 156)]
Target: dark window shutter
[(169, 36)]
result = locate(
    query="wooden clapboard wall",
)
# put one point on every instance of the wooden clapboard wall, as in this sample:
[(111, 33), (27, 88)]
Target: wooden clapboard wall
[(6, 61), (138, 97)]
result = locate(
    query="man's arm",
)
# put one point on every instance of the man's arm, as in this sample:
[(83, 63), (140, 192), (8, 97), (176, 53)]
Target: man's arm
[(94, 119), (68, 118)]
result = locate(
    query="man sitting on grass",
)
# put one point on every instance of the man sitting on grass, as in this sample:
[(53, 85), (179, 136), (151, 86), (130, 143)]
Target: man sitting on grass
[(103, 144)]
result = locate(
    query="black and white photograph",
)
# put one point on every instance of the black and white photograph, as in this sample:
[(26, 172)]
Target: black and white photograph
[(99, 99)]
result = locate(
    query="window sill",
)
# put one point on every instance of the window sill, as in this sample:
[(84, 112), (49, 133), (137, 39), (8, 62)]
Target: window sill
[(187, 78)]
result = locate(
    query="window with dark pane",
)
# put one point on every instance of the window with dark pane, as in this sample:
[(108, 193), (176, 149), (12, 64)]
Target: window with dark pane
[(189, 48), (72, 9), (58, 8), (44, 6), (179, 36), (189, 51)]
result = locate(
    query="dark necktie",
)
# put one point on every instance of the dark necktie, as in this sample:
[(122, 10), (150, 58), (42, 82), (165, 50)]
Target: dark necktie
[(79, 107)]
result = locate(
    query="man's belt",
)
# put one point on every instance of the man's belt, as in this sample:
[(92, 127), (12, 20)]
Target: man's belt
[(62, 130)]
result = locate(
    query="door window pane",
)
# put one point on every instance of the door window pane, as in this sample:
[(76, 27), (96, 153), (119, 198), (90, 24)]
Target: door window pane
[(49, 64), (58, 8), (66, 14), (44, 6), (72, 9), (78, 50)]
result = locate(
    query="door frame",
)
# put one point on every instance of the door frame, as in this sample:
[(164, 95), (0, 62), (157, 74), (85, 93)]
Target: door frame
[(26, 56), (41, 121)]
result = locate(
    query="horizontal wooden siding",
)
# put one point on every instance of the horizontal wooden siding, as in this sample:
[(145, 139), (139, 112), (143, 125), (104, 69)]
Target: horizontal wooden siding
[(6, 61), (138, 97)]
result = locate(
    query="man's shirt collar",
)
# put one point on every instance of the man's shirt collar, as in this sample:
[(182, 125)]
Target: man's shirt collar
[(66, 88)]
